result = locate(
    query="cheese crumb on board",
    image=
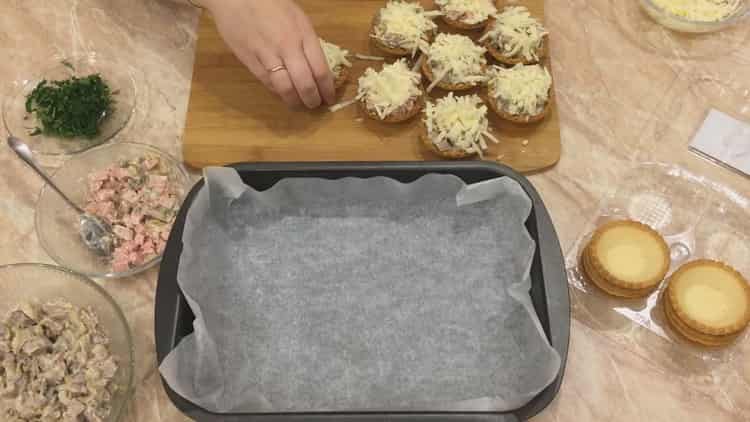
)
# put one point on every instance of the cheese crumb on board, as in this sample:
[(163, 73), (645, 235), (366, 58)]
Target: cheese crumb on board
[(335, 55), (388, 90), (520, 90), (402, 24), (457, 58), (699, 10), (516, 33), (467, 11), (458, 123)]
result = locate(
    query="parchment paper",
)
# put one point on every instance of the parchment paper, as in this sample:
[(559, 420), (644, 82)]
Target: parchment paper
[(359, 294)]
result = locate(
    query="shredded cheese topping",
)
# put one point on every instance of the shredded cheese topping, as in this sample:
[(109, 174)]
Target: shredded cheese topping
[(520, 90), (467, 11), (335, 55), (402, 24), (699, 10), (516, 33), (458, 123), (390, 89), (456, 59)]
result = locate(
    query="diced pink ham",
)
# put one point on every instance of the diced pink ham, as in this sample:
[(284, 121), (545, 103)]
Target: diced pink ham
[(130, 196)]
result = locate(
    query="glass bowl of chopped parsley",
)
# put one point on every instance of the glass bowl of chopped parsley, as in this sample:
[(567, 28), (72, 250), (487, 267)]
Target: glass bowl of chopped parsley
[(74, 105)]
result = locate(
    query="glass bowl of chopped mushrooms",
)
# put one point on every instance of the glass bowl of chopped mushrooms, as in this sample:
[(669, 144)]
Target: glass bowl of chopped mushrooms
[(136, 189), (67, 351), (697, 16), (72, 105)]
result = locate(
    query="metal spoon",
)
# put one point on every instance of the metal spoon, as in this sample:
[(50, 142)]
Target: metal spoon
[(95, 232)]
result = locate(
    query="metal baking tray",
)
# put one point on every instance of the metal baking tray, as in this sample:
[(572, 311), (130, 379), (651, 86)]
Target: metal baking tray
[(549, 289)]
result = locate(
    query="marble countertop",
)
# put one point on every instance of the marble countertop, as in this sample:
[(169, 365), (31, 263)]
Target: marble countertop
[(628, 92)]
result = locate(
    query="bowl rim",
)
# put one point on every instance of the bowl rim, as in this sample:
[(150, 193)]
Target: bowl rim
[(74, 161), (732, 19), (130, 382), (56, 62)]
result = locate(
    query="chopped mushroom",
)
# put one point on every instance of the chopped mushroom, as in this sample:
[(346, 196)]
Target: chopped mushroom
[(55, 364)]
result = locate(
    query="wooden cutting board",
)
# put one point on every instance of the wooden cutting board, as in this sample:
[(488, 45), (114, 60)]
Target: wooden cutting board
[(232, 118)]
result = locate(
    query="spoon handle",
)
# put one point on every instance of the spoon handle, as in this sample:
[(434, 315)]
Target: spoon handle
[(24, 153)]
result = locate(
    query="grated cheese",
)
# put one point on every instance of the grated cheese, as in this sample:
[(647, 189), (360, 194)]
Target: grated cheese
[(467, 11), (520, 90), (335, 55), (402, 24), (699, 10), (457, 58), (458, 123), (516, 33), (390, 89)]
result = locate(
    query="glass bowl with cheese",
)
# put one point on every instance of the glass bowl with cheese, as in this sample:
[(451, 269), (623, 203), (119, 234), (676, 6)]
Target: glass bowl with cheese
[(697, 16)]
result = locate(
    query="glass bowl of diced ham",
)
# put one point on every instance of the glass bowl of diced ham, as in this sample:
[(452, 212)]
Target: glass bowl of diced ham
[(135, 188)]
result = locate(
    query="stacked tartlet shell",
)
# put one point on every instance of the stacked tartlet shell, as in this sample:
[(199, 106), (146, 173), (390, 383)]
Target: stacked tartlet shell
[(596, 271), (393, 117), (690, 326), (427, 71)]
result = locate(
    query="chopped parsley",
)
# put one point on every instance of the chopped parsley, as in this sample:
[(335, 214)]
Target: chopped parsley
[(70, 108)]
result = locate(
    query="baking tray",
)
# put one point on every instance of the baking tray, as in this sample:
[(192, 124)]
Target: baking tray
[(549, 285)]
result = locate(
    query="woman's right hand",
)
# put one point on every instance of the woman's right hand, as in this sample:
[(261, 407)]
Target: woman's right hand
[(277, 42)]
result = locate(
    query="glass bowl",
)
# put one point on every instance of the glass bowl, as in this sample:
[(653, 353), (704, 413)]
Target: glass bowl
[(21, 283), (57, 223), (118, 77), (681, 24)]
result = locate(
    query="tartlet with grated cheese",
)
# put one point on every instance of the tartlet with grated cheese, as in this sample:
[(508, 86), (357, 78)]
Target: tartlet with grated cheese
[(456, 127), (338, 62), (392, 95), (401, 27), (466, 14), (521, 94), (514, 36), (454, 63)]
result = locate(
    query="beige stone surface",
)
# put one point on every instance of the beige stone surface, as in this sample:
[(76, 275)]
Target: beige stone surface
[(628, 91)]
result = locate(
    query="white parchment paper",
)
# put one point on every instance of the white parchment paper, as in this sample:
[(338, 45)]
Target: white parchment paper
[(359, 294)]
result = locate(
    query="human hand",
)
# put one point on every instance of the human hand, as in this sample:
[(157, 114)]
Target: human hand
[(277, 42)]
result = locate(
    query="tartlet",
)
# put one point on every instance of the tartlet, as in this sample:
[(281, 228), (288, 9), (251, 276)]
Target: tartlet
[(457, 62), (392, 95), (626, 258), (401, 28), (707, 302), (466, 14), (338, 62), (456, 127), (514, 36), (521, 94)]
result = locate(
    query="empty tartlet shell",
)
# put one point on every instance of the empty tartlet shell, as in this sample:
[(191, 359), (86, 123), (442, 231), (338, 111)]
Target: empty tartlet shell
[(391, 118), (690, 334), (457, 24), (672, 295), (393, 51), (611, 289), (511, 61), (524, 118), (427, 71), (340, 76), (598, 267), (453, 154)]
